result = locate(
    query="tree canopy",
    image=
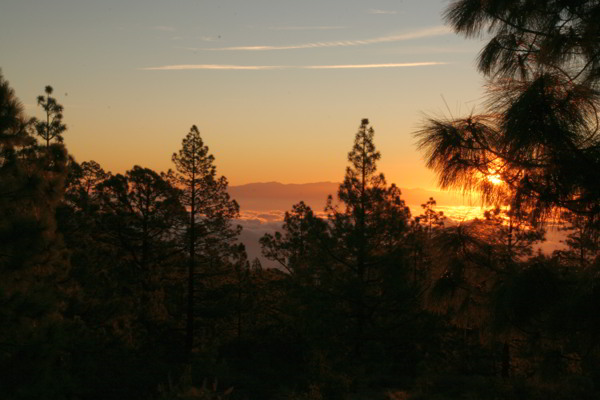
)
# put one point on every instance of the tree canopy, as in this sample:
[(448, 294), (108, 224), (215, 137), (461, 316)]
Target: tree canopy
[(539, 132)]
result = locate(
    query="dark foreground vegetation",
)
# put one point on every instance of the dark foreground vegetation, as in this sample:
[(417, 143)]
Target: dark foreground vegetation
[(134, 286)]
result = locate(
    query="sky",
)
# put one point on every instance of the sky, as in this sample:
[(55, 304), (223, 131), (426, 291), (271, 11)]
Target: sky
[(277, 87)]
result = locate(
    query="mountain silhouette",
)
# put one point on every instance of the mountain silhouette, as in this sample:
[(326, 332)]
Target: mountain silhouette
[(268, 196)]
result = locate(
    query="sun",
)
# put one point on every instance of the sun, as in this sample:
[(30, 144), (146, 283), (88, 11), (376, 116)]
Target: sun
[(494, 172), (495, 179)]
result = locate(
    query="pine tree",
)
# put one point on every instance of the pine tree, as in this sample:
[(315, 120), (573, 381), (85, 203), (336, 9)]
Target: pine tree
[(142, 208), (139, 218), (298, 249), (430, 220), (583, 241), (537, 138), (52, 127), (538, 133), (209, 231), (366, 240), (347, 294), (33, 261)]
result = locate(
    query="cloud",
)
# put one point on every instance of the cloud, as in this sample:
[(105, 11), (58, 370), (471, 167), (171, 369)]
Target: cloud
[(164, 28), (252, 217), (429, 50), (254, 227), (376, 11), (189, 67), (428, 32), (360, 66), (454, 213), (209, 38)]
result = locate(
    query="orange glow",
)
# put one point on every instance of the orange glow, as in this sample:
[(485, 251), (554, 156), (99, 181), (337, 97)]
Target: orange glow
[(494, 170), (495, 179)]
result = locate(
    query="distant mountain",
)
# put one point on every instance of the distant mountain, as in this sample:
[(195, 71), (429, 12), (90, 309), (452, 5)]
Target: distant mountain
[(270, 196), (281, 196)]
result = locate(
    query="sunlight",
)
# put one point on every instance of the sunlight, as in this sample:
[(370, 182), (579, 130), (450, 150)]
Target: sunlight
[(494, 172), (495, 179)]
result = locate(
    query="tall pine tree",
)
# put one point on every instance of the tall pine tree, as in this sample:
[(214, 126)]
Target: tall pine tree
[(367, 239), (209, 229), (52, 127), (33, 260)]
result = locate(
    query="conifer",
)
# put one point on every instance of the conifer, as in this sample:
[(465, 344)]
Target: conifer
[(209, 229)]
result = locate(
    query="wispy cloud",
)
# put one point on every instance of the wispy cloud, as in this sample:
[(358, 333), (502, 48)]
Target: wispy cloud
[(305, 28), (210, 38), (369, 66), (429, 50), (189, 67), (376, 11), (435, 31), (164, 28)]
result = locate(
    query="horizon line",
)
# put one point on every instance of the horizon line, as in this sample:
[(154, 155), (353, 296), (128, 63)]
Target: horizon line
[(337, 183)]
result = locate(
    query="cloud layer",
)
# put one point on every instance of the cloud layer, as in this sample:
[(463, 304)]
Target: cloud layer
[(428, 32), (189, 67)]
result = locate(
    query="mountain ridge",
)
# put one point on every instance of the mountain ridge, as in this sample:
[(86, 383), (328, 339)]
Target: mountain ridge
[(273, 195)]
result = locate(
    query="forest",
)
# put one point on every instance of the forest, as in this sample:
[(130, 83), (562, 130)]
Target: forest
[(135, 285)]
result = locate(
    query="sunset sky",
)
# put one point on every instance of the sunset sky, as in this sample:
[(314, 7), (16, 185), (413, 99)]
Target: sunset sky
[(277, 88)]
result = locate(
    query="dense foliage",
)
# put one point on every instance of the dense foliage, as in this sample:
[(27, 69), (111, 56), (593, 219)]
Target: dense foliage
[(538, 136)]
